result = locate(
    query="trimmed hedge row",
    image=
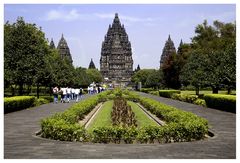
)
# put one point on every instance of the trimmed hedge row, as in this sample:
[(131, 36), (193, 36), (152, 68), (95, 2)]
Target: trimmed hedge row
[(18, 103), (181, 126), (189, 98), (221, 102), (168, 93), (64, 126)]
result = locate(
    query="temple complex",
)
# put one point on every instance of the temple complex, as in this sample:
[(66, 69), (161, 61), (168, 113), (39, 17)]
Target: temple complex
[(116, 63)]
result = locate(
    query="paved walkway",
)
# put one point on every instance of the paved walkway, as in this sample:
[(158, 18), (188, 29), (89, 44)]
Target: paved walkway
[(20, 142)]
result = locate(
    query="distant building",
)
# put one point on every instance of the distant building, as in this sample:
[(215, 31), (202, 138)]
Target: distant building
[(91, 65), (138, 68), (168, 50), (116, 63), (52, 45), (64, 50)]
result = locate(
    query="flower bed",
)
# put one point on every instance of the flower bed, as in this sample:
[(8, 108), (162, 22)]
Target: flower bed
[(180, 125)]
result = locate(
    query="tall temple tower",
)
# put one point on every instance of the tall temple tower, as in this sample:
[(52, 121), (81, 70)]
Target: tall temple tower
[(64, 49), (116, 63), (168, 50)]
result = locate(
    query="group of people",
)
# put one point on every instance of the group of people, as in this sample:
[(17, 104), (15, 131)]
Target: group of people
[(96, 88), (67, 94)]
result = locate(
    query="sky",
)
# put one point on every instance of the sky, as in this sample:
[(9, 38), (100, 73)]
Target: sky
[(148, 26)]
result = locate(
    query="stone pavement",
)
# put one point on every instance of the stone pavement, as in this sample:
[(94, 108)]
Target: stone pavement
[(21, 142)]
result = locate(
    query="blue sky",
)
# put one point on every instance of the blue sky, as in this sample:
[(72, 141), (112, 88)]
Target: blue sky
[(148, 26)]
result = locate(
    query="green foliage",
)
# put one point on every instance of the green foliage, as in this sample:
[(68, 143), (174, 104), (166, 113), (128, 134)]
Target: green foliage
[(25, 49), (185, 97), (146, 90), (18, 103), (200, 102), (168, 93), (148, 77), (94, 75), (181, 125), (212, 61), (222, 102), (40, 101)]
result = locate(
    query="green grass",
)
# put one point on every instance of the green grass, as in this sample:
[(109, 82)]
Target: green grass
[(142, 119), (204, 92), (103, 117)]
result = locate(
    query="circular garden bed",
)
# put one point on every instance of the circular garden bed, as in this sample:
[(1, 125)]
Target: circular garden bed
[(121, 120)]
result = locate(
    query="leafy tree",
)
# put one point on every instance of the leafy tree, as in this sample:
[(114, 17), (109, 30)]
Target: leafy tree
[(94, 75), (142, 76), (82, 79), (24, 50), (154, 78), (216, 45)]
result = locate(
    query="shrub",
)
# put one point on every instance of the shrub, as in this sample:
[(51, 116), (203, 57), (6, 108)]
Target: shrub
[(40, 101), (185, 97), (168, 93), (18, 103), (156, 93), (222, 102), (200, 102), (146, 90)]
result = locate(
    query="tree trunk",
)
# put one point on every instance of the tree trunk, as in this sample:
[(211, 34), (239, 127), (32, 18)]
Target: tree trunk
[(13, 90), (215, 90), (197, 90), (38, 90), (229, 90), (20, 91)]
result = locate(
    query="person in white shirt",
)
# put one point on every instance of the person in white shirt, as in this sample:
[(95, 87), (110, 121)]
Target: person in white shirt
[(64, 93), (73, 93), (68, 94), (77, 91)]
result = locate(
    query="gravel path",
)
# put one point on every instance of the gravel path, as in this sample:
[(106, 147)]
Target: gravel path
[(21, 142)]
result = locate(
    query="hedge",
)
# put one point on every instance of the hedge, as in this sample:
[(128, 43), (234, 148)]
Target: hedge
[(189, 98), (180, 125), (221, 102), (168, 93), (18, 103)]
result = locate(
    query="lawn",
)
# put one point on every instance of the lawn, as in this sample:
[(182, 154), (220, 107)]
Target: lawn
[(103, 117), (141, 117)]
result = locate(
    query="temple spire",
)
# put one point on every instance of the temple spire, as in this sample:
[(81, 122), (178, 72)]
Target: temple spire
[(52, 45), (91, 65), (168, 50)]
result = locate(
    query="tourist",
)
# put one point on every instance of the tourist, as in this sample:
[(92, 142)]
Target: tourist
[(60, 92), (64, 93), (81, 92), (55, 94), (77, 91), (68, 94), (73, 93), (88, 89)]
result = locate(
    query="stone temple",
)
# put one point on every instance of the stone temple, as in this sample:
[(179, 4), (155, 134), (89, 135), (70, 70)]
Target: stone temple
[(168, 50), (116, 63), (64, 50)]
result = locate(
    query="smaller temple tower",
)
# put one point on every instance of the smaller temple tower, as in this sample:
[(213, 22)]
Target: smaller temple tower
[(52, 45), (91, 65), (168, 50), (64, 50)]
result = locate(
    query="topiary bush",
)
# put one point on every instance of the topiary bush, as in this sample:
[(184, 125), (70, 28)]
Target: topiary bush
[(168, 93), (18, 103), (221, 102)]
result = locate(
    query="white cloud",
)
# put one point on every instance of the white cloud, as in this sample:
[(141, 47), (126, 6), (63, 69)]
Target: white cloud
[(63, 15)]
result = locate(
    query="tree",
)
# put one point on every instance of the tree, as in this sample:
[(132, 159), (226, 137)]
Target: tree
[(154, 78), (24, 50), (94, 75), (142, 76), (216, 44), (82, 79)]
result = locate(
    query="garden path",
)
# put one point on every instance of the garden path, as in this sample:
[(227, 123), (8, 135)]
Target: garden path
[(20, 140)]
